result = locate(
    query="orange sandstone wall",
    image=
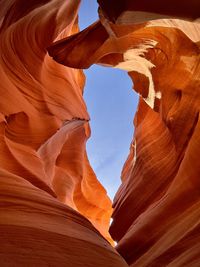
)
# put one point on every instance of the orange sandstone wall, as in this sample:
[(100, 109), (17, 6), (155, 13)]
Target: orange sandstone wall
[(53, 211), (157, 207), (53, 208)]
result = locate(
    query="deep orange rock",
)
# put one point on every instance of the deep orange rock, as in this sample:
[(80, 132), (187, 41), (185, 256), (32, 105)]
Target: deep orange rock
[(156, 209), (53, 210), (50, 213)]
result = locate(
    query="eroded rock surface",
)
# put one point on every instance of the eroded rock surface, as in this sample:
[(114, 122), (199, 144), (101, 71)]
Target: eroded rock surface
[(157, 207), (53, 211)]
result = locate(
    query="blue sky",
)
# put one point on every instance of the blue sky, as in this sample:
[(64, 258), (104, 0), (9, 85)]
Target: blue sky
[(111, 104)]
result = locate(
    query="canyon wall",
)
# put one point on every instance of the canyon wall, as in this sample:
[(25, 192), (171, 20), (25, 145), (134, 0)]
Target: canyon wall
[(53, 211), (157, 207)]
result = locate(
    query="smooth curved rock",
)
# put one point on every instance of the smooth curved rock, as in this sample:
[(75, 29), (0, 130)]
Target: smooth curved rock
[(50, 213), (53, 211), (156, 209)]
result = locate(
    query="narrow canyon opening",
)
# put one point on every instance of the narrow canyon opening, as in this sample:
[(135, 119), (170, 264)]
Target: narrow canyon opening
[(49, 192), (111, 103)]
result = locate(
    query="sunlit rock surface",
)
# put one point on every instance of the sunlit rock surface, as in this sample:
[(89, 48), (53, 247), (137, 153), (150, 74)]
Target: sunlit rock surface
[(53, 208), (157, 207)]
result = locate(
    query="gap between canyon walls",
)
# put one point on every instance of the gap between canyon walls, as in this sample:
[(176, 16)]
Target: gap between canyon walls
[(111, 103)]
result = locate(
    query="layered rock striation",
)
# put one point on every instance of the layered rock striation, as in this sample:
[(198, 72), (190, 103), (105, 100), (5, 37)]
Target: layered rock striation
[(53, 210), (157, 207)]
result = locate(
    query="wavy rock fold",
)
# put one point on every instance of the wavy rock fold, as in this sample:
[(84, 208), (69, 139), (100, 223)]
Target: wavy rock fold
[(54, 211)]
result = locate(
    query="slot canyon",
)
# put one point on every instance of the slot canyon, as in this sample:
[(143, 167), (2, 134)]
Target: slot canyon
[(53, 209)]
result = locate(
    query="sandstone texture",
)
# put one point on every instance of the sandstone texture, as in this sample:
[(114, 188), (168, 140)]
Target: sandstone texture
[(53, 211), (157, 207)]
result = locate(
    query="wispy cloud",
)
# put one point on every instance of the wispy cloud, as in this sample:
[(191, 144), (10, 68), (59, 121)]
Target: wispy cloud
[(107, 161)]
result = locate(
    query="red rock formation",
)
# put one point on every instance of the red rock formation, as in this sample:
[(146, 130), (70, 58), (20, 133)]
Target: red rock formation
[(153, 9), (46, 183), (48, 189), (157, 208)]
